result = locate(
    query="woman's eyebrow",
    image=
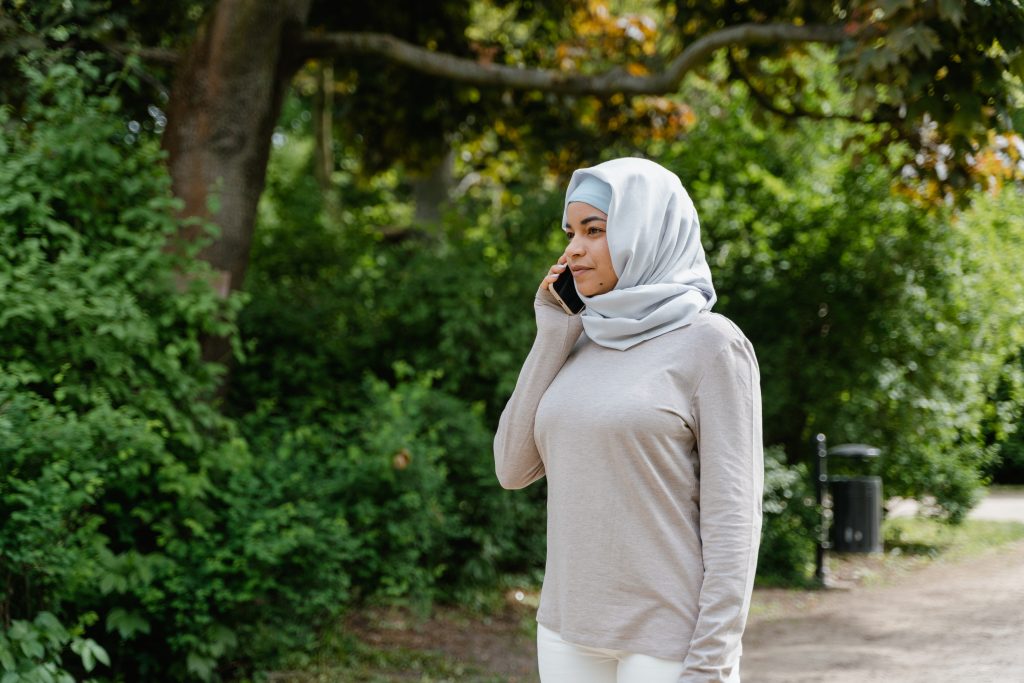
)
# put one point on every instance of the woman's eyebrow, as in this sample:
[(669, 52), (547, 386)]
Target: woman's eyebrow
[(588, 219)]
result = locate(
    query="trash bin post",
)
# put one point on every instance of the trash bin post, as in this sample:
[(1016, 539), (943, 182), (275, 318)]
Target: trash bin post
[(821, 483)]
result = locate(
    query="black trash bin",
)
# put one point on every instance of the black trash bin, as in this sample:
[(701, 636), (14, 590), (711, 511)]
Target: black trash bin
[(856, 514)]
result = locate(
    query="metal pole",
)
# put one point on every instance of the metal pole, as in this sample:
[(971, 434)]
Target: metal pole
[(821, 485)]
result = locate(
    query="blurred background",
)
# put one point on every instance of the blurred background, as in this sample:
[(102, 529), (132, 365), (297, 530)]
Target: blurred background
[(267, 272)]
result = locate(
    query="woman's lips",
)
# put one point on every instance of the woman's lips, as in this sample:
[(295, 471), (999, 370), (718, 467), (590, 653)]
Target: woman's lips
[(576, 270)]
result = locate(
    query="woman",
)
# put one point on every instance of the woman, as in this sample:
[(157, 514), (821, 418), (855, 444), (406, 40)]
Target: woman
[(644, 413)]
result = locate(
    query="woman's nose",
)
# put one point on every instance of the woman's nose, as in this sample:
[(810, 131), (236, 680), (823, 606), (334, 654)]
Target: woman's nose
[(575, 247)]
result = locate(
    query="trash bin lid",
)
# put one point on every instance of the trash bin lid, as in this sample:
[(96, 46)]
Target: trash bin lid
[(855, 450)]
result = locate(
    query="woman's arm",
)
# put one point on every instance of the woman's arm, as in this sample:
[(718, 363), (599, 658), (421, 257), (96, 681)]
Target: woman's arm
[(727, 407), (516, 460)]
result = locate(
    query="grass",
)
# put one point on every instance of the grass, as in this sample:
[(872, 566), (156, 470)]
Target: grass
[(918, 535), (1006, 488), (910, 542), (392, 644), (363, 663)]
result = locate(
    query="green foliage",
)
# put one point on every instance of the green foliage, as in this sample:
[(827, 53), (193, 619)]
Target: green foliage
[(457, 303), (385, 133), (129, 505), (399, 350), (1005, 424), (355, 463), (30, 651), (105, 434), (791, 522), (63, 31), (202, 547), (405, 472), (874, 321)]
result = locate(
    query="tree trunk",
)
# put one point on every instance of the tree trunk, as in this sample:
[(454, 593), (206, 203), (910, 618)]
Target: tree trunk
[(323, 141), (323, 128), (225, 101)]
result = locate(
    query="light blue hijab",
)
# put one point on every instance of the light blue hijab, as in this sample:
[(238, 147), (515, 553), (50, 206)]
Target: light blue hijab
[(654, 241)]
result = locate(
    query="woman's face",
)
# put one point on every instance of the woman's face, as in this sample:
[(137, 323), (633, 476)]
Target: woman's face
[(587, 254)]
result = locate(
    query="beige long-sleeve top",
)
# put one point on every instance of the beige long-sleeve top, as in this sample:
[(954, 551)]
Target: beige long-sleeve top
[(654, 465)]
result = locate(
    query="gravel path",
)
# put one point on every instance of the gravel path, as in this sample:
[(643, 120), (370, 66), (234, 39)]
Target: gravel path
[(959, 622), (1007, 506), (948, 621), (998, 505)]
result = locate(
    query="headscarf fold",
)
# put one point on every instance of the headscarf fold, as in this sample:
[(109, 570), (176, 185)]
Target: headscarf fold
[(654, 241)]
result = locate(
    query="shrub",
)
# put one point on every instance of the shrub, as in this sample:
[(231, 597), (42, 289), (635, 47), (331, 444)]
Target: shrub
[(791, 522), (182, 543), (130, 509), (411, 472), (31, 651)]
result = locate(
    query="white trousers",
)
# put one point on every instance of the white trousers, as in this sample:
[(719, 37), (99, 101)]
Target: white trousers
[(562, 662)]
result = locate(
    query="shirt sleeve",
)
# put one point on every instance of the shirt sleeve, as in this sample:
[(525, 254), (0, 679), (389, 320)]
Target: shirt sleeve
[(727, 407), (516, 459)]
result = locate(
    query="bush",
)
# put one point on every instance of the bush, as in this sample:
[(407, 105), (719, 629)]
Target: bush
[(457, 300), (32, 651), (412, 474), (455, 307), (130, 509), (182, 543), (791, 522)]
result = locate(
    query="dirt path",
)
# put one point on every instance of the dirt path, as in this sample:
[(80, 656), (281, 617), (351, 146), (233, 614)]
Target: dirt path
[(946, 622)]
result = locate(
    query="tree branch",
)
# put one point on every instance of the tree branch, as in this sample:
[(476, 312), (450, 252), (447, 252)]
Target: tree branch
[(115, 49), (616, 80), (465, 70), (160, 55)]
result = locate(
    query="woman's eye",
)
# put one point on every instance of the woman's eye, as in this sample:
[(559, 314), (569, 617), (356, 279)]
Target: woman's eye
[(568, 235), (594, 231)]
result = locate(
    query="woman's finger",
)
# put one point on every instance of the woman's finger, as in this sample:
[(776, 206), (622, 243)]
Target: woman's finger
[(553, 274)]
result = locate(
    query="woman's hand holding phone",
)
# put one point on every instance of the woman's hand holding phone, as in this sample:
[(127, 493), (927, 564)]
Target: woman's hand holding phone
[(554, 272), (559, 282)]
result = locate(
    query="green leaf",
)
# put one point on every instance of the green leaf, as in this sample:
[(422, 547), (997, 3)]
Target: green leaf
[(953, 10), (6, 656), (925, 40), (221, 639), (19, 630), (90, 652), (199, 665), (33, 648), (126, 623), (890, 7), (98, 652), (50, 627), (1016, 65)]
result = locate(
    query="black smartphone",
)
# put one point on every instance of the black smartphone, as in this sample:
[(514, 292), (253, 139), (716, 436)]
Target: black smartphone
[(564, 291)]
